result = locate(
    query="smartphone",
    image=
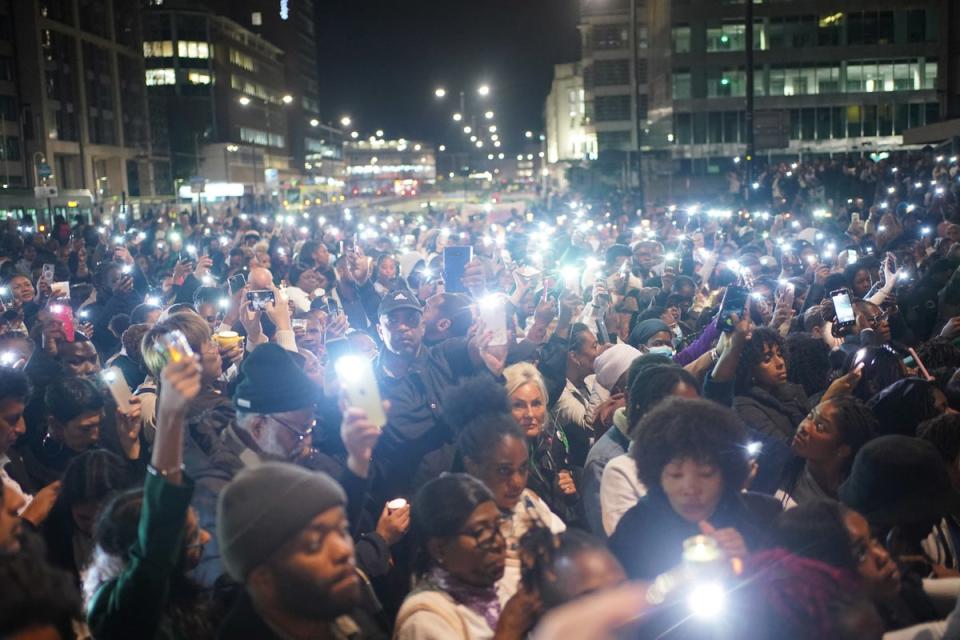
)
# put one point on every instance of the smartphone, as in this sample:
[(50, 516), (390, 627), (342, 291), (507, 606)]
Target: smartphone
[(174, 346), (333, 309), (60, 289), (455, 260), (734, 302), (47, 273), (260, 298), (359, 385), (493, 314), (843, 306), (6, 296), (64, 314), (337, 349), (236, 282), (852, 256), (118, 387)]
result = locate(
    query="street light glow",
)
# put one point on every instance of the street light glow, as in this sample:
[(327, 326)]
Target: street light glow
[(488, 115), (314, 122), (529, 134), (468, 129), (244, 101), (457, 117), (287, 98), (442, 147), (354, 135), (379, 133), (484, 90), (492, 128), (346, 121), (440, 92)]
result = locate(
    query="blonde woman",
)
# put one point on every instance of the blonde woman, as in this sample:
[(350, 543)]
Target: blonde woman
[(551, 474)]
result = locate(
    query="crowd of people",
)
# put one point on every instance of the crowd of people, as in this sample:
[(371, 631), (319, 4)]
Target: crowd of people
[(694, 420)]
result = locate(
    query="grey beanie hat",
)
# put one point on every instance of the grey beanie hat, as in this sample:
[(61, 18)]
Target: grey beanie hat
[(265, 506)]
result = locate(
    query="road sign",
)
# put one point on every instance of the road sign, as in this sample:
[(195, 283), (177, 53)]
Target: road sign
[(44, 170), (45, 192)]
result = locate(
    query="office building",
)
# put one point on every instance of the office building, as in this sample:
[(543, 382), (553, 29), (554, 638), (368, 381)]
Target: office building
[(291, 27), (73, 99), (828, 77), (567, 142), (221, 90)]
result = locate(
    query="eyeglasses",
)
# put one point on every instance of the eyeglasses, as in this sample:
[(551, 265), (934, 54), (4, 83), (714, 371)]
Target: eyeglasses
[(817, 421), (486, 538), (300, 435), (879, 318)]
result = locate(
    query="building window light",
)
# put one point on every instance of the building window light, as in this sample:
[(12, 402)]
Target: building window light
[(198, 77), (157, 77)]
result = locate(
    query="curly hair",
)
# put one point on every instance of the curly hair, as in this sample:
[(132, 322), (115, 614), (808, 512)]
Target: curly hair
[(808, 359), (882, 367), (479, 410), (678, 429), (540, 552), (763, 340), (939, 352)]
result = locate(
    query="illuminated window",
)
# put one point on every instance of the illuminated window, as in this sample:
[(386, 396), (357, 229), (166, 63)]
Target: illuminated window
[(160, 76), (158, 49), (191, 49), (242, 60), (198, 77)]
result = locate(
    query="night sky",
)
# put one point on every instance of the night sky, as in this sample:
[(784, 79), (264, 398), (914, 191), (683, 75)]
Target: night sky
[(380, 61)]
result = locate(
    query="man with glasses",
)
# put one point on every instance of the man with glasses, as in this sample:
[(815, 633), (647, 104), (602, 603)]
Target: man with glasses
[(416, 444), (274, 421)]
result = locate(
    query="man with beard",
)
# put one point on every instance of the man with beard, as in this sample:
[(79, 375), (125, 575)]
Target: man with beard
[(285, 536), (274, 421)]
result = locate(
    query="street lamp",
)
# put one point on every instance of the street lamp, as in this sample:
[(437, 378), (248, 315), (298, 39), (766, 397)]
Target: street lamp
[(314, 122), (379, 133), (457, 117), (484, 90), (354, 135), (529, 134), (492, 128), (440, 92), (442, 147), (244, 101), (468, 129), (345, 121), (488, 115), (287, 98)]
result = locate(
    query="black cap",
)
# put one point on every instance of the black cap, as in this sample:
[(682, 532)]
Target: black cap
[(398, 299)]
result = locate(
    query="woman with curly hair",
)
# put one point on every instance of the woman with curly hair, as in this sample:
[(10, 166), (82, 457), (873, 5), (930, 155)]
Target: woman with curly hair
[(766, 401), (692, 457)]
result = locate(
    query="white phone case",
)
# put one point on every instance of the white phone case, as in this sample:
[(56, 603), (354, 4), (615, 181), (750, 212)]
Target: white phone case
[(359, 384)]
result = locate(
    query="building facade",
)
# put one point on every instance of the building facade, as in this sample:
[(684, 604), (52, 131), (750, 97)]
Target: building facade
[(828, 77), (80, 109), (564, 113), (378, 167), (219, 90)]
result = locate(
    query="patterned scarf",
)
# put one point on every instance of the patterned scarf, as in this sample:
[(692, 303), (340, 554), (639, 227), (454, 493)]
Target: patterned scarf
[(480, 600)]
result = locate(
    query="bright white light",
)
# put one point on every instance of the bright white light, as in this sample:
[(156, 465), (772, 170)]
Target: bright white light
[(244, 101), (440, 92), (528, 134), (379, 133), (753, 449), (488, 115), (484, 90), (457, 117), (314, 122), (468, 129), (707, 600), (442, 147), (733, 265), (287, 99), (346, 121), (354, 135)]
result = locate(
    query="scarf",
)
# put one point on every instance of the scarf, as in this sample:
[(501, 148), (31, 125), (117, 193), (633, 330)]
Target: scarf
[(480, 600)]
